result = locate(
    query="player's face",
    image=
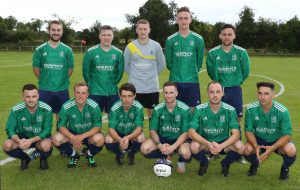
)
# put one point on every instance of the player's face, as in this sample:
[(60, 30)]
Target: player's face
[(31, 98), (127, 98), (106, 37), (183, 20), (55, 32), (265, 96), (170, 94), (227, 36), (81, 93), (143, 31), (215, 93)]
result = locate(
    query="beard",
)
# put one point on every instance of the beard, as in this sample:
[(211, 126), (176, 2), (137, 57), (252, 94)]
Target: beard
[(54, 40)]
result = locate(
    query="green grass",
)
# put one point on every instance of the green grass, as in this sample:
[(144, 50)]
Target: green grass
[(16, 70)]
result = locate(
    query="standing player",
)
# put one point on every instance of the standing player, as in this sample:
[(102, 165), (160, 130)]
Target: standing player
[(169, 129), (268, 129), (229, 64), (102, 69), (79, 123), (29, 125), (125, 127), (184, 57), (214, 129), (144, 60), (53, 64)]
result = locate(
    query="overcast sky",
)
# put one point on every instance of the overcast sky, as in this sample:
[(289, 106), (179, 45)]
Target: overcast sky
[(112, 12)]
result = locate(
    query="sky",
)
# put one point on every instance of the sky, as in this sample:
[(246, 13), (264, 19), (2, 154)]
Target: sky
[(112, 12)]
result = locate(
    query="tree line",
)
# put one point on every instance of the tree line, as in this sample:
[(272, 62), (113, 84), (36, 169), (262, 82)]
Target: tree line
[(264, 34)]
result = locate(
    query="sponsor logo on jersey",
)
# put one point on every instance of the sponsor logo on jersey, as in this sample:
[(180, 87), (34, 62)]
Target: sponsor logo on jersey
[(105, 67), (213, 131), (234, 57), (227, 69), (183, 54), (32, 129), (61, 54), (273, 119), (53, 66), (113, 56), (266, 130), (222, 118), (171, 129), (82, 125)]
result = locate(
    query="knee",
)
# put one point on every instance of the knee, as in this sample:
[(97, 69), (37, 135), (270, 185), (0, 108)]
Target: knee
[(58, 139), (8, 145), (185, 153), (98, 140), (195, 147), (141, 138), (109, 139), (46, 145), (248, 149), (145, 148), (240, 147), (290, 150)]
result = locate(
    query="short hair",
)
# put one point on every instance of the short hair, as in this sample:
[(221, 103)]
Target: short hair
[(225, 26), (127, 87), (183, 9), (29, 87), (214, 82), (53, 22), (265, 84), (142, 21), (105, 27), (169, 83), (80, 83)]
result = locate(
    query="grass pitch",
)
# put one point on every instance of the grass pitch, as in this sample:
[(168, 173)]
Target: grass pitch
[(16, 70)]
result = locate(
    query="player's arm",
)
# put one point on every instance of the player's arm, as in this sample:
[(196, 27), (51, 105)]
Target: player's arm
[(93, 131), (137, 131), (113, 133), (36, 72), (169, 51), (127, 58), (70, 71), (210, 66), (86, 64), (200, 53), (47, 125), (161, 62), (120, 68), (235, 135), (70, 60), (245, 65), (198, 138), (11, 127), (180, 140)]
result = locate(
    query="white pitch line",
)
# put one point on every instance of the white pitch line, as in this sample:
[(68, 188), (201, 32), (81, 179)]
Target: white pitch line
[(104, 119)]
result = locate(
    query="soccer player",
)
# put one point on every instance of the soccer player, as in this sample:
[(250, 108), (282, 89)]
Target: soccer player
[(184, 57), (169, 129), (102, 69), (144, 60), (53, 63), (79, 123), (125, 127), (214, 128), (29, 125), (229, 64), (268, 129)]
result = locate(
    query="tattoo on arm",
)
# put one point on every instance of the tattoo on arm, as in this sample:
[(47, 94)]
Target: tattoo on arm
[(154, 137)]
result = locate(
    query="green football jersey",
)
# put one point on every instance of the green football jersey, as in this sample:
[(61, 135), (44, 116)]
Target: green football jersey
[(170, 125), (103, 70), (214, 126), (126, 122), (54, 65), (230, 69), (268, 126), (184, 57), (80, 121), (21, 121)]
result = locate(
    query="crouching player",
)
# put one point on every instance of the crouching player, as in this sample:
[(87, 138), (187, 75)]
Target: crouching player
[(29, 125), (79, 123), (214, 128), (268, 129), (125, 127), (169, 129)]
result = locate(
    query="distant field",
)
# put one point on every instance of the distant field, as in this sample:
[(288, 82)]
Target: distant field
[(16, 70)]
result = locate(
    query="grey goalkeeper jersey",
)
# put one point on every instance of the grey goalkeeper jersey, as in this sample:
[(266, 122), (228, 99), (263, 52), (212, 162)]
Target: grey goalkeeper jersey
[(143, 63)]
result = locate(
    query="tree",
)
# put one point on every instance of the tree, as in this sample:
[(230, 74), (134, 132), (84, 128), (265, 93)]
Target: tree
[(10, 22), (159, 15), (267, 34), (289, 34), (246, 28)]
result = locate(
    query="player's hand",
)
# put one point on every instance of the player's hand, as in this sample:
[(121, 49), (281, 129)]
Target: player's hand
[(266, 154), (216, 148), (25, 144), (124, 143), (163, 148), (170, 149), (257, 151), (76, 141)]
